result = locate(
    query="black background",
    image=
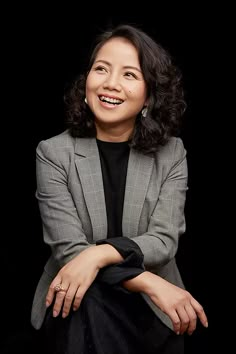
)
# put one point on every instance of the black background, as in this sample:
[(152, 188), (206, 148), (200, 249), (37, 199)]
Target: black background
[(42, 50)]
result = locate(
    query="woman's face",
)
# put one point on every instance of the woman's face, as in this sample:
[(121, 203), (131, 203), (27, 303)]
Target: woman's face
[(115, 89)]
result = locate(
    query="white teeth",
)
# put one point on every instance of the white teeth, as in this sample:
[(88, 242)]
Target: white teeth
[(110, 100)]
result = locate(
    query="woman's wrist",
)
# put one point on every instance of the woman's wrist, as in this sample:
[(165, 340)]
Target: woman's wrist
[(137, 284), (142, 283), (107, 255)]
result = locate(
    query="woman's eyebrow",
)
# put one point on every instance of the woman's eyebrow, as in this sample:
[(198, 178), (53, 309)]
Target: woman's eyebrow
[(109, 64)]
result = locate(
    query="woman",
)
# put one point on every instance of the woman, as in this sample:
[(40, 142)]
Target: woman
[(111, 192)]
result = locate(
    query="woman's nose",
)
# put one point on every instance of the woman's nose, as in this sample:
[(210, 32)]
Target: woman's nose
[(112, 82)]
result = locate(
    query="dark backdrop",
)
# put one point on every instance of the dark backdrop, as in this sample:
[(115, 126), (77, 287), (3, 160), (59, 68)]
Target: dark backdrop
[(43, 50)]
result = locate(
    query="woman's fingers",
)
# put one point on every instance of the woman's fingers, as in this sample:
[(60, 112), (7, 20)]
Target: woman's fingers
[(50, 296), (184, 319), (64, 297), (192, 319), (199, 311), (68, 300), (59, 300), (189, 314), (73, 298), (175, 320), (57, 292), (79, 296), (54, 287)]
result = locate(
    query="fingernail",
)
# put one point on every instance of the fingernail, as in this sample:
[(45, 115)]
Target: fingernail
[(206, 324), (64, 314), (54, 313), (177, 333), (47, 303)]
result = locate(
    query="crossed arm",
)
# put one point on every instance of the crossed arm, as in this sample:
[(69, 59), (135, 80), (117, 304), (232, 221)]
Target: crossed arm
[(78, 274)]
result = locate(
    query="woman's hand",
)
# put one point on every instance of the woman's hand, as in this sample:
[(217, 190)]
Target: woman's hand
[(176, 302), (74, 279)]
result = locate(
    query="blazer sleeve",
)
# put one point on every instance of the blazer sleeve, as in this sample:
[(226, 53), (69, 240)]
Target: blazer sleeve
[(55, 201), (167, 222)]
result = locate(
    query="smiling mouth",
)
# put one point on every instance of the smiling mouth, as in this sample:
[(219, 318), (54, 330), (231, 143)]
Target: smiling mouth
[(109, 100)]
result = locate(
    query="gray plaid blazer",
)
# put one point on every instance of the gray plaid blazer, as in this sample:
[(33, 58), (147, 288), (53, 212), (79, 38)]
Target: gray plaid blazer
[(72, 207)]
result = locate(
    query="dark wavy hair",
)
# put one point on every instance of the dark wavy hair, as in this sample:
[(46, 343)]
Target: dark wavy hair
[(166, 103)]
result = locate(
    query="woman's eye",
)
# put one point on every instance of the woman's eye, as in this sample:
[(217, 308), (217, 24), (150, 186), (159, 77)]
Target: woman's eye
[(131, 75), (99, 68)]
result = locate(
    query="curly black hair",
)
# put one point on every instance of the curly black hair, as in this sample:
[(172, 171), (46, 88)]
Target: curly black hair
[(166, 103)]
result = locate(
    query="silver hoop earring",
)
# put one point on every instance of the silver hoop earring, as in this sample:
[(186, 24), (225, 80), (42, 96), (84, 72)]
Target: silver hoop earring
[(85, 100), (144, 112)]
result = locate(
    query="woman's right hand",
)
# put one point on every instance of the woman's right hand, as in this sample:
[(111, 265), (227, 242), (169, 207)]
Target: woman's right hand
[(73, 280), (71, 283), (182, 308)]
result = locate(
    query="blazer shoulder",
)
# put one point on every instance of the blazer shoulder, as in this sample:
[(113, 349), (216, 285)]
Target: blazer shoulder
[(57, 149), (60, 140), (173, 150), (63, 147)]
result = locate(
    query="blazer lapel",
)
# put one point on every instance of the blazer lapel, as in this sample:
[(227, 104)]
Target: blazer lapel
[(138, 176), (89, 169)]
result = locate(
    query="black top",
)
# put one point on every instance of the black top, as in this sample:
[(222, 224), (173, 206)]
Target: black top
[(114, 162)]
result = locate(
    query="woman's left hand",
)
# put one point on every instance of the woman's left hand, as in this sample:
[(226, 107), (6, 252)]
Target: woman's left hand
[(181, 307)]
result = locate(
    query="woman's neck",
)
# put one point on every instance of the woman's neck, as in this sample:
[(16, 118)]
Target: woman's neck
[(114, 134)]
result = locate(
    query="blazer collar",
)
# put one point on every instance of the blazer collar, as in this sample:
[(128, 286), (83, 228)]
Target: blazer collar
[(90, 174), (86, 147), (138, 176)]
